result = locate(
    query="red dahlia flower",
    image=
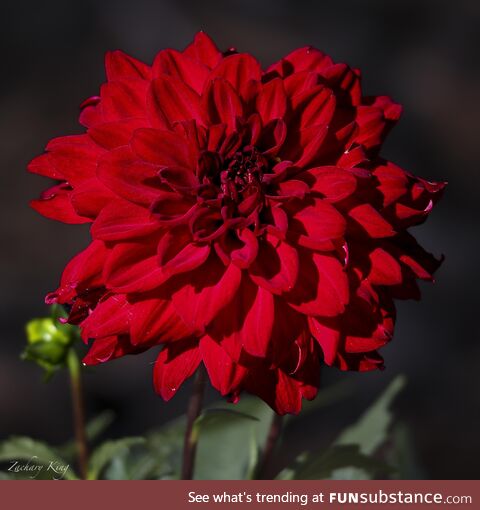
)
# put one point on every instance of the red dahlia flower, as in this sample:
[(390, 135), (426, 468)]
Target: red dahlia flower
[(241, 218)]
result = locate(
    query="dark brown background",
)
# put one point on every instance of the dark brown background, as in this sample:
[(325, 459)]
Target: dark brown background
[(422, 53)]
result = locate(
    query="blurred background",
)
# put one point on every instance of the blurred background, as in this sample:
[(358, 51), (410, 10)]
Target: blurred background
[(424, 54)]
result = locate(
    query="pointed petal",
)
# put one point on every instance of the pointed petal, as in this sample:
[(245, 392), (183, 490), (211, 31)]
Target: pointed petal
[(225, 375), (276, 266), (322, 286), (175, 363), (119, 65), (170, 100), (206, 292), (156, 320), (182, 67)]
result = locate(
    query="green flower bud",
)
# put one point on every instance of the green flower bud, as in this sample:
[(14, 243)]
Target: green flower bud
[(48, 341)]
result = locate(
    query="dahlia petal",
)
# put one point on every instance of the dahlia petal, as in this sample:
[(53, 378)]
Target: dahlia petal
[(206, 292), (133, 267), (119, 65), (182, 67), (91, 112), (322, 286), (301, 59), (41, 165), (272, 101), (391, 111), (289, 332), (224, 374), (333, 183), (239, 70), (353, 157), (89, 198), (276, 266), (327, 337), (393, 182), (156, 320), (180, 179), (175, 363), (272, 137), (372, 127), (162, 148), (246, 322), (411, 254), (101, 350), (288, 397), (171, 208), (371, 221), (244, 256), (110, 317), (300, 82), (314, 107), (123, 99), (280, 223), (257, 329), (385, 270), (121, 220), (357, 345), (55, 203), (289, 189), (110, 135), (317, 222), (311, 141), (128, 177), (82, 272), (204, 50), (170, 100), (74, 158), (112, 347), (223, 103), (177, 254), (345, 81)]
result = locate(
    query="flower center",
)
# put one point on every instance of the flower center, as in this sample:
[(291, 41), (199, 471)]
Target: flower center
[(244, 174)]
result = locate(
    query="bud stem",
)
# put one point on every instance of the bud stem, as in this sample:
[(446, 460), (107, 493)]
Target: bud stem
[(193, 412), (74, 368), (270, 445)]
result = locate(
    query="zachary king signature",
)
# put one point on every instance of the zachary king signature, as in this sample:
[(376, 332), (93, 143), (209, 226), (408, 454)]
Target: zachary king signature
[(56, 469)]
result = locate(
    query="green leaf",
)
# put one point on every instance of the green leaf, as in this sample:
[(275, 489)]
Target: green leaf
[(35, 453), (350, 457), (228, 445), (371, 430), (220, 416), (165, 445), (341, 462), (106, 453), (402, 455), (94, 428)]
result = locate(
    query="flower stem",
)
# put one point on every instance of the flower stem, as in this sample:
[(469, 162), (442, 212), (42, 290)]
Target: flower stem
[(74, 368), (270, 445), (193, 412)]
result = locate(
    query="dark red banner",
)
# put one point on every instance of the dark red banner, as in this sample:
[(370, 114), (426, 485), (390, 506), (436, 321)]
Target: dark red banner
[(253, 495)]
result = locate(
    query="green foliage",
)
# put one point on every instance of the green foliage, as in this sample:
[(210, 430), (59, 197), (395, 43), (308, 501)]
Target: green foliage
[(371, 430), (333, 462), (93, 429), (230, 440), (351, 457), (108, 451), (29, 452), (234, 435)]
